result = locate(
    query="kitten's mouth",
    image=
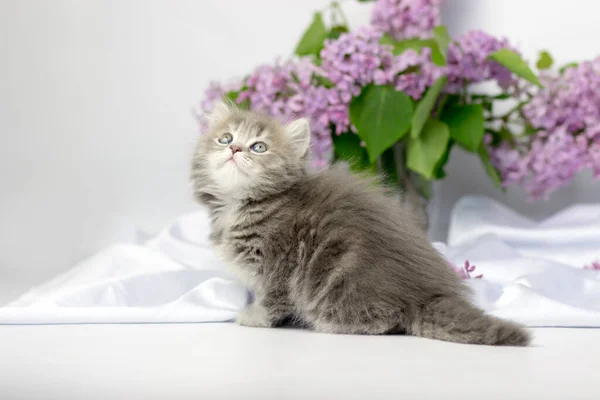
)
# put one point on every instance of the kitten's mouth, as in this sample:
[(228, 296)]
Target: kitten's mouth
[(230, 160)]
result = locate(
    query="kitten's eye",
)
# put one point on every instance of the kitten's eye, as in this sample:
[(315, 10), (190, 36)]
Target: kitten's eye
[(226, 138), (258, 147)]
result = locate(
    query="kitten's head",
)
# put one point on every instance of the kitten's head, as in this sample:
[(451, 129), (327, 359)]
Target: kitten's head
[(245, 153)]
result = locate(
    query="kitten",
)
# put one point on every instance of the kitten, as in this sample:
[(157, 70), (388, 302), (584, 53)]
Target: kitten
[(327, 250)]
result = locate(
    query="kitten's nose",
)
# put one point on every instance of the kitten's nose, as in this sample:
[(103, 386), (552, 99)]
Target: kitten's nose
[(234, 149)]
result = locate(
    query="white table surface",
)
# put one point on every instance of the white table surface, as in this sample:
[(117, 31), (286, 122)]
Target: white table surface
[(224, 361)]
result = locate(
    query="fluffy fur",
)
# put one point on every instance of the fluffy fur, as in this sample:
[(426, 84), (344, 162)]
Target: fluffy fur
[(328, 250)]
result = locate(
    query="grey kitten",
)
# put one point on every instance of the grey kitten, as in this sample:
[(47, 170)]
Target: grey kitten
[(327, 250)]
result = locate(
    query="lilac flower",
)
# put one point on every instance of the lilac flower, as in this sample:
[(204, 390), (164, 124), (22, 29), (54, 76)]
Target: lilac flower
[(511, 163), (468, 63), (566, 114), (414, 83), (595, 265), (213, 93), (465, 271), (403, 19), (571, 99), (277, 89), (554, 161), (351, 62), (357, 59), (354, 57)]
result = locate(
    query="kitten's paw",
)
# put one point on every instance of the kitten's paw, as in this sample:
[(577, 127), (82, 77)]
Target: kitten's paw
[(253, 316)]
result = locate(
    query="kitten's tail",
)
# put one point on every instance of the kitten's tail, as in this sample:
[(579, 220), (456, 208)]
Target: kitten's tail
[(456, 320)]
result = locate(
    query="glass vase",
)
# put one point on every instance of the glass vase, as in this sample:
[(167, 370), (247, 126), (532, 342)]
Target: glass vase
[(414, 191)]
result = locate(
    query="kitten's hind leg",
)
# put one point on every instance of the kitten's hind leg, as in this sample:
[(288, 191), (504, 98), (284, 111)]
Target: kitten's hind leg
[(344, 305), (369, 328), (361, 319)]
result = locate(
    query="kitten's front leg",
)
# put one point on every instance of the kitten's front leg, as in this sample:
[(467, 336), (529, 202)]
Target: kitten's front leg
[(265, 312), (254, 315)]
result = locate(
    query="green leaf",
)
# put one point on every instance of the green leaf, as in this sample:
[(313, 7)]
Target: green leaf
[(441, 104), (314, 37), (424, 107), (347, 147), (529, 130), (489, 167), (388, 164), (410, 44), (567, 66), (436, 57), (425, 152), (413, 69), (438, 171), (336, 31), (387, 40), (399, 47), (232, 96), (515, 64), (502, 135), (506, 134), (501, 96), (382, 116), (487, 106), (466, 123), (545, 61), (442, 39), (244, 105), (324, 81)]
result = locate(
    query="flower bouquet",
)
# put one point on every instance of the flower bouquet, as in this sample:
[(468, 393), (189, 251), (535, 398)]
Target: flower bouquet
[(398, 95)]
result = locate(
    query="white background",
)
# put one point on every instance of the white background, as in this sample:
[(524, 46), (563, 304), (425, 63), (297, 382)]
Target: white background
[(95, 98)]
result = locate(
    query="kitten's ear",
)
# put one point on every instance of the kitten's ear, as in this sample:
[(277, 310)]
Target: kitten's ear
[(299, 133), (221, 111)]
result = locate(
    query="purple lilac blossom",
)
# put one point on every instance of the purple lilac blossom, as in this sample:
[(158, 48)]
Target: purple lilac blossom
[(468, 61), (566, 114), (213, 93), (595, 265), (510, 162), (570, 99), (356, 59), (404, 19), (465, 271), (350, 63)]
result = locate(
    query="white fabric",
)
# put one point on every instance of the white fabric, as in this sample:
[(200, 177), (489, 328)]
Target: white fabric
[(174, 277), (532, 273)]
